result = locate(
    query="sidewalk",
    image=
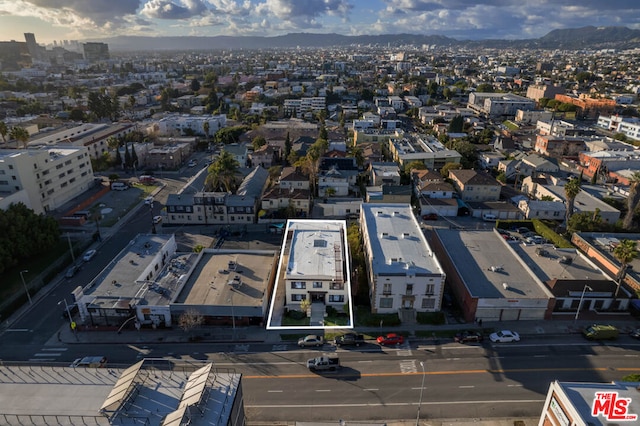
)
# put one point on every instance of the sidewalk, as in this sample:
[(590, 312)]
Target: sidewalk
[(551, 328)]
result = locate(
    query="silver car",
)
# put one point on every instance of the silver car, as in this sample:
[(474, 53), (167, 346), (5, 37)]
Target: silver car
[(310, 340)]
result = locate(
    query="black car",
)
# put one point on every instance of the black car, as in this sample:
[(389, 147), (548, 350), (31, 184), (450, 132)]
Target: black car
[(349, 339), (468, 336)]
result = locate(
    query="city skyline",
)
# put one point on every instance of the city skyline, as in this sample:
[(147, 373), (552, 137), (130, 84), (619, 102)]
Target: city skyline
[(461, 19)]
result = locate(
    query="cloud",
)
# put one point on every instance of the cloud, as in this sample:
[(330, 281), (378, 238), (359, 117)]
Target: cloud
[(304, 13), (167, 9), (99, 12)]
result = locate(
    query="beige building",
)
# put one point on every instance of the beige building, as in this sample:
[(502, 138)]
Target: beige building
[(44, 179), (475, 186)]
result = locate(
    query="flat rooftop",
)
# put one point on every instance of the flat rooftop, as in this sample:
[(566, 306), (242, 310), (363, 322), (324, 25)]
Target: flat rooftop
[(475, 252), (213, 281), (70, 396)]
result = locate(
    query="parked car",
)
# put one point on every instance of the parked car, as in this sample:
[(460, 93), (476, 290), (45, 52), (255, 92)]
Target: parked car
[(119, 186), (600, 332), (522, 230), (157, 219), (430, 216), (90, 361), (192, 163), (349, 339), (390, 339), (635, 333), (310, 340), (149, 200), (504, 336), (71, 271), (89, 255), (468, 336), (536, 239)]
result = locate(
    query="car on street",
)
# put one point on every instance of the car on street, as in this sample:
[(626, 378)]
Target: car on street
[(390, 339), (89, 255), (310, 340), (148, 201), (192, 163), (468, 336), (504, 336), (71, 271), (157, 219), (635, 333), (349, 339), (430, 216)]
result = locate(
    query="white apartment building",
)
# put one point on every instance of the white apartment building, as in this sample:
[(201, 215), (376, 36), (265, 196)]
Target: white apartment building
[(177, 124), (499, 104), (299, 106), (44, 179), (402, 268), (628, 126), (315, 263)]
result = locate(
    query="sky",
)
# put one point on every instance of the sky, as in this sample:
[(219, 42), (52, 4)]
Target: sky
[(53, 20)]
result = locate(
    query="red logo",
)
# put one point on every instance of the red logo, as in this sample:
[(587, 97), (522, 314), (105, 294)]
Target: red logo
[(612, 408)]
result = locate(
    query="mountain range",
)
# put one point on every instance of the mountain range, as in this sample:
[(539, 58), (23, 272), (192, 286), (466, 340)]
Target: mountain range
[(572, 39)]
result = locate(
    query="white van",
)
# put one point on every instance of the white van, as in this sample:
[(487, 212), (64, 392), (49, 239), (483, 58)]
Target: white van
[(489, 217), (119, 186), (90, 361)]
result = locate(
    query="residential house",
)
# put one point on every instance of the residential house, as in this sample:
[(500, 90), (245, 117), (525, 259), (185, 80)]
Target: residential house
[(279, 199), (553, 146), (389, 193), (293, 178), (475, 186), (263, 156), (384, 173)]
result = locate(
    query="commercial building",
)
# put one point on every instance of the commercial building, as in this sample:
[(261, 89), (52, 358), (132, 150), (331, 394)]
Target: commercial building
[(94, 52), (628, 126), (403, 271), (499, 104), (180, 124), (44, 179), (405, 149)]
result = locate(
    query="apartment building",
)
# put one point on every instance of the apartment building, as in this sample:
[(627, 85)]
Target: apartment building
[(299, 106), (177, 124), (628, 126), (475, 186), (44, 179), (427, 149), (499, 104), (402, 269)]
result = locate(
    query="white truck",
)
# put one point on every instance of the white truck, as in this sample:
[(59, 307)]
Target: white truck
[(323, 363)]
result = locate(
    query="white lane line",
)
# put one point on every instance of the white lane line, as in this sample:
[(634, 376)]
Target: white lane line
[(18, 329), (514, 386), (370, 390), (323, 390), (400, 404), (42, 359), (55, 349), (274, 391), (47, 354), (467, 387)]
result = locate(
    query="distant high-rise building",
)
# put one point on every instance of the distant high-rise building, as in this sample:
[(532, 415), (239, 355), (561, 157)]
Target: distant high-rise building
[(32, 46), (94, 52)]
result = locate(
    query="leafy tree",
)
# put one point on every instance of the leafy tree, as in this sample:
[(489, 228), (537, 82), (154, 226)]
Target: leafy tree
[(258, 142), (485, 88), (456, 124), (20, 134), (206, 128), (127, 157), (190, 320), (76, 114), (444, 171), (502, 177), (571, 191), (415, 165), (134, 156), (4, 131), (228, 135), (223, 172), (274, 173), (287, 146), (323, 134), (305, 304), (195, 85), (118, 160), (632, 201), (625, 252)]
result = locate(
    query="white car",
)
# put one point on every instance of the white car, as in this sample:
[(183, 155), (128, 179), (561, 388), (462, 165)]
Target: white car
[(504, 336), (192, 163), (148, 200), (157, 219), (89, 255)]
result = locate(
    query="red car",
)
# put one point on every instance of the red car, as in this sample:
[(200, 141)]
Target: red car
[(390, 339), (430, 216)]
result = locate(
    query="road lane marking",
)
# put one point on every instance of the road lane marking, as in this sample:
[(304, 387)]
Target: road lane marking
[(47, 354), (399, 404), (42, 359), (371, 390), (274, 391), (323, 390), (55, 349), (18, 329)]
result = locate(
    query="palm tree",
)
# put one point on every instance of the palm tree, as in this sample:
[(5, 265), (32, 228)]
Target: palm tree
[(632, 200), (223, 172), (571, 191), (625, 252), (4, 130), (20, 134)]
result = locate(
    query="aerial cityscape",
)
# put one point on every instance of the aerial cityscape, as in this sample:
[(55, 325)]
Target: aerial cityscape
[(269, 212)]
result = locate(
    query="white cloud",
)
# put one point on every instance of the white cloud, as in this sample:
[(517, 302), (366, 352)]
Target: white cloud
[(167, 9)]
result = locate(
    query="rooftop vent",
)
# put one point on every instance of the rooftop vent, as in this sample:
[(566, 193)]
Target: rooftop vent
[(505, 286)]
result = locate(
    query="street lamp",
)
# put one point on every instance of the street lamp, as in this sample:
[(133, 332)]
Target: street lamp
[(421, 389), (66, 306), (153, 223), (580, 303), (25, 286)]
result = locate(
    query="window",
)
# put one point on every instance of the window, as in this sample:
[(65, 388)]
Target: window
[(298, 297), (386, 302), (428, 303), (387, 288), (317, 284), (298, 285), (409, 291), (338, 298), (430, 289)]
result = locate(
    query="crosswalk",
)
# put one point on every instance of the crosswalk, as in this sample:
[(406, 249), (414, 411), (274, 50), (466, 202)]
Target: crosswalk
[(48, 355)]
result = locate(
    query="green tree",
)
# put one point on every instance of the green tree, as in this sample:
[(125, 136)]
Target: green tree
[(20, 134), (444, 171), (222, 172), (625, 252), (118, 160), (134, 156), (456, 124), (206, 128), (195, 85), (4, 130), (415, 165), (485, 88), (127, 157), (258, 142), (632, 201), (287, 147), (571, 191)]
